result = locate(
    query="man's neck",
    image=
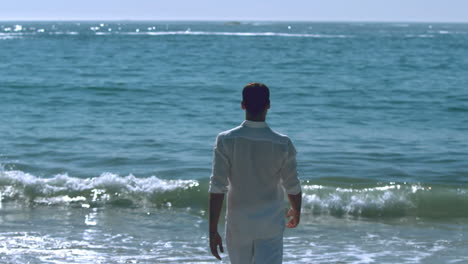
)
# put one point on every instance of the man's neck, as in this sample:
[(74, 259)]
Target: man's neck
[(258, 118)]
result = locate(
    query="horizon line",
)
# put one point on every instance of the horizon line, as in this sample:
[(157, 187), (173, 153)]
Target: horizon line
[(233, 20)]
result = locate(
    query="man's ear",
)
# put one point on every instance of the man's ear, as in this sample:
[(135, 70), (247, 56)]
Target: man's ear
[(243, 105), (268, 106)]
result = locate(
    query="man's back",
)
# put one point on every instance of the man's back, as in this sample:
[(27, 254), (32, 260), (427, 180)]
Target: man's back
[(252, 164), (252, 161)]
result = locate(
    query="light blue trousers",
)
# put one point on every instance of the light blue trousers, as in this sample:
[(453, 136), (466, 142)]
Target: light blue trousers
[(258, 251)]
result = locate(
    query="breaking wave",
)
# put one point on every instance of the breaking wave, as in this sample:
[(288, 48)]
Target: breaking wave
[(379, 200)]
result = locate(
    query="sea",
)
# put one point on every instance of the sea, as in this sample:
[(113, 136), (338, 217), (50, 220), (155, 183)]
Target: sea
[(107, 131)]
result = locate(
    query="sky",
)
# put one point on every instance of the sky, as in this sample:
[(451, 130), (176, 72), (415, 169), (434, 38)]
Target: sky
[(242, 10)]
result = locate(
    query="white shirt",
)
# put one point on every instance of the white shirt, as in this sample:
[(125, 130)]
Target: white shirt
[(252, 164)]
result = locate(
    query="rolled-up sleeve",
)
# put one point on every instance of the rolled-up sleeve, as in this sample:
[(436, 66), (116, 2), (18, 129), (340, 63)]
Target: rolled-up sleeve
[(289, 174), (221, 167)]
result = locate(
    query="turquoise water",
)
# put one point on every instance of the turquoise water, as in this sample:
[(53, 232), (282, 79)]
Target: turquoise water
[(107, 130)]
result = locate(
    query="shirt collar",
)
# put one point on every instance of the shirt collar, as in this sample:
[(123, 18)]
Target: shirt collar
[(254, 124)]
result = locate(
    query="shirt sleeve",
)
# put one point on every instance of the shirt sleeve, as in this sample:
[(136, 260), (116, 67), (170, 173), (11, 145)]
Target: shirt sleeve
[(289, 174), (221, 168)]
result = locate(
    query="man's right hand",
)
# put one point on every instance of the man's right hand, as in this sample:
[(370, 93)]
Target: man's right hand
[(216, 203), (215, 241)]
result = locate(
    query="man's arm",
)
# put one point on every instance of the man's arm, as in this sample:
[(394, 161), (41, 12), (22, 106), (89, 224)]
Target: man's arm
[(292, 185), (218, 187), (295, 211), (216, 204)]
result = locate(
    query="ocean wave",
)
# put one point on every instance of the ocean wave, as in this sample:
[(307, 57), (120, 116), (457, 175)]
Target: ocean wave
[(242, 34), (9, 35), (108, 188), (391, 200), (183, 32), (376, 200), (419, 36)]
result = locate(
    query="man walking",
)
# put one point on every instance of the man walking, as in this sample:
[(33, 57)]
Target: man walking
[(253, 165)]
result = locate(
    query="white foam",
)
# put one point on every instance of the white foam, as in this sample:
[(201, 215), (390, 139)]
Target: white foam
[(377, 200), (59, 199), (242, 34), (62, 188), (10, 35), (400, 25), (64, 33), (187, 32), (19, 246), (6, 37), (419, 36)]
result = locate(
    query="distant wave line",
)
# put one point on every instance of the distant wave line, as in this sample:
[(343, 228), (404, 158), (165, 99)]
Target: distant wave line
[(419, 36), (194, 33), (243, 34)]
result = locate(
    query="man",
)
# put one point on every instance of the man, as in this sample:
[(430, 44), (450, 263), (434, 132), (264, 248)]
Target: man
[(252, 164)]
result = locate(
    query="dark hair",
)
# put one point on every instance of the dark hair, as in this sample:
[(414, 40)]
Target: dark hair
[(255, 96)]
